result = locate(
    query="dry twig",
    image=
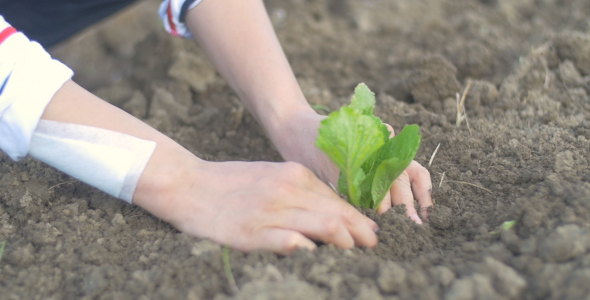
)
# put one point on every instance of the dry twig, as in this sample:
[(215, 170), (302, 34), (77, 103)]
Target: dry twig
[(467, 122), (71, 181), (441, 179), (332, 186), (461, 103), (433, 154), (471, 184)]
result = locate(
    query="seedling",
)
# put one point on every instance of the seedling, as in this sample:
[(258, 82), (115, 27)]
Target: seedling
[(359, 145), (507, 225)]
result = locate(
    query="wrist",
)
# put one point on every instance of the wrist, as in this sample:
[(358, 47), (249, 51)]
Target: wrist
[(171, 171), (296, 131)]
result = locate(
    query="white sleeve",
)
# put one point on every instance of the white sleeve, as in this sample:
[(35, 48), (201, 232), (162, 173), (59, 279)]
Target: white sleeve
[(173, 14), (29, 78)]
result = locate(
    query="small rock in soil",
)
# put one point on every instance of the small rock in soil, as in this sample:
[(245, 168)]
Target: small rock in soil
[(24, 256), (565, 243), (564, 162), (118, 220), (205, 246), (578, 287), (481, 93), (569, 74), (433, 80), (461, 289), (392, 278), (442, 275), (506, 280), (290, 289), (116, 93), (94, 283), (137, 105), (184, 69), (576, 47), (441, 217), (368, 292)]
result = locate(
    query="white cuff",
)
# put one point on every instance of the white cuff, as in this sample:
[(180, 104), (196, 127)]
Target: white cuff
[(29, 78), (110, 161)]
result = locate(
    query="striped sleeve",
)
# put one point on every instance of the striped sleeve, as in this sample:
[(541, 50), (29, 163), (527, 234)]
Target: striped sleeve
[(173, 14), (29, 78)]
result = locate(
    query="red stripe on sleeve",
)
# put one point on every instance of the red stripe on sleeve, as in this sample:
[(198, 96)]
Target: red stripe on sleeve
[(171, 20), (6, 33)]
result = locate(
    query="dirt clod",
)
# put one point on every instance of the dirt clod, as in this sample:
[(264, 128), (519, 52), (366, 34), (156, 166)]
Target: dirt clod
[(432, 81)]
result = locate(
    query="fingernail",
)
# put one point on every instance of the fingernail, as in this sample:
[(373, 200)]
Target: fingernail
[(416, 219), (376, 228)]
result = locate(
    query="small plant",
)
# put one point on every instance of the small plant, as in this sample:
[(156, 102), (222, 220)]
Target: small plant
[(359, 144), (507, 225)]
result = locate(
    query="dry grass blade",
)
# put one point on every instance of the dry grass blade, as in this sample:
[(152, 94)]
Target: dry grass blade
[(334, 188), (461, 103), (441, 179), (433, 154), (471, 184), (458, 122), (467, 122), (62, 183)]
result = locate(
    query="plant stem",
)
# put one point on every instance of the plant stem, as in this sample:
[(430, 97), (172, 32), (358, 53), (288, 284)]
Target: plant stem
[(228, 272), (2, 249)]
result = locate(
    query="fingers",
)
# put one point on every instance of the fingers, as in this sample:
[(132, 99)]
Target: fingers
[(401, 193), (362, 232), (385, 204), (296, 173), (392, 134), (333, 215), (421, 187), (318, 197), (413, 183), (279, 240), (317, 226)]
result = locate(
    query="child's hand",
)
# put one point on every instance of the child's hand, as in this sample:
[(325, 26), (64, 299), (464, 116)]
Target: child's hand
[(295, 140), (253, 205)]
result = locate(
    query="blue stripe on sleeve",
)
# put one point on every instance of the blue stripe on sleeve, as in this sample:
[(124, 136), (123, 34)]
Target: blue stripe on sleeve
[(184, 10), (5, 82)]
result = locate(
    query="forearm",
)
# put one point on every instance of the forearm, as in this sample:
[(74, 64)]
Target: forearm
[(238, 37), (74, 105)]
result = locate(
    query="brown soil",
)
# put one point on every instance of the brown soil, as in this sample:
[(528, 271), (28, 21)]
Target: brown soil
[(524, 157)]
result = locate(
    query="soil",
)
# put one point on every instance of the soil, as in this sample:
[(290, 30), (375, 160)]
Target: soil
[(522, 154)]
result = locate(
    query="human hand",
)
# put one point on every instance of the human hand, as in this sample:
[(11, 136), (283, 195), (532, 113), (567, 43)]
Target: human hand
[(295, 140), (247, 205), (254, 205)]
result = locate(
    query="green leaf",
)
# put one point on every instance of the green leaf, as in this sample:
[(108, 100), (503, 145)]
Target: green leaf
[(359, 145), (349, 139), (318, 107), (400, 151), (363, 100), (507, 225)]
